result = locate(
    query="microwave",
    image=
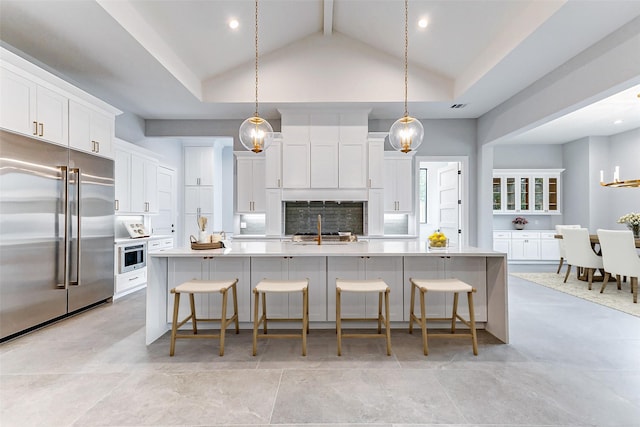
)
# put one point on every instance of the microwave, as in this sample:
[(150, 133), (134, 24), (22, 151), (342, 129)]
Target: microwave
[(133, 257)]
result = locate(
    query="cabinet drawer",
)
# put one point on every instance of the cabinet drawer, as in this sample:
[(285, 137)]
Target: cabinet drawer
[(548, 235), (155, 245), (524, 235), (130, 280), (501, 235)]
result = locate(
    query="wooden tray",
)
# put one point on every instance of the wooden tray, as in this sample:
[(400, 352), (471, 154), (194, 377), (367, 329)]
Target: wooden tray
[(201, 246)]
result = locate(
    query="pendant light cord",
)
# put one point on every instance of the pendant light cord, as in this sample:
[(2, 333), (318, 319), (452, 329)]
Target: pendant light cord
[(406, 55), (256, 114)]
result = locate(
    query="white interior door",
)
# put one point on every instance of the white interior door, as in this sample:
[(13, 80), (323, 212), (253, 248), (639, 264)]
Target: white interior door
[(165, 222), (449, 196)]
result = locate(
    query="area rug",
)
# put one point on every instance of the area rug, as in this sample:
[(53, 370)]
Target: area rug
[(612, 297)]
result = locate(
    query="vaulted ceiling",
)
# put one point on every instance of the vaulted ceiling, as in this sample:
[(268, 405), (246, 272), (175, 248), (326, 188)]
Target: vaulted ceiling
[(179, 59)]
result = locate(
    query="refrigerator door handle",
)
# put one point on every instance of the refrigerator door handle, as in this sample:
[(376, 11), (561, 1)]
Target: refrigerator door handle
[(78, 239), (65, 214)]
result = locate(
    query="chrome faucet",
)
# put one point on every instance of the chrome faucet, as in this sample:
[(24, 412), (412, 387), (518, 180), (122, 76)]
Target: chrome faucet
[(319, 230)]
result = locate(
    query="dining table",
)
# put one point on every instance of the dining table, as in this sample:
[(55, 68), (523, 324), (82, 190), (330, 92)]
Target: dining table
[(593, 238)]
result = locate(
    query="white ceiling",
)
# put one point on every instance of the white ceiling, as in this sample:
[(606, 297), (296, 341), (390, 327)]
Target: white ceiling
[(178, 59)]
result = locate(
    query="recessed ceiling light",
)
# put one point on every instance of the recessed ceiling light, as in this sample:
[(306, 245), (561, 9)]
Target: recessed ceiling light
[(422, 23), (233, 24), (617, 122)]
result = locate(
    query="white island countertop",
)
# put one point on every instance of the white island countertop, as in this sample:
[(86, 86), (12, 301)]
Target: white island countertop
[(371, 248)]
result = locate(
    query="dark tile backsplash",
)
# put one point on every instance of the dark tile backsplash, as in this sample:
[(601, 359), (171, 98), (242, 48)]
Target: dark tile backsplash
[(302, 217)]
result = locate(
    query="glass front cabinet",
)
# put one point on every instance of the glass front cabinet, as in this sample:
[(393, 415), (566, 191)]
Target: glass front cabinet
[(532, 191)]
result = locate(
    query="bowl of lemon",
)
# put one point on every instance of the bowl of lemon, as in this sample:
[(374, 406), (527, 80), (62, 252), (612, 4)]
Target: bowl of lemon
[(438, 241)]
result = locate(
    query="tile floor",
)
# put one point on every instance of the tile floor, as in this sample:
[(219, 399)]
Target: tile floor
[(570, 363)]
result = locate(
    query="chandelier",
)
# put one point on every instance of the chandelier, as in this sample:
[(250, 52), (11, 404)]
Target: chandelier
[(255, 131), (407, 132)]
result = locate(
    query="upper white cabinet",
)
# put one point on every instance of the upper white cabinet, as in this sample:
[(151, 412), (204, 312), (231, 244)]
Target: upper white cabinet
[(398, 183), (198, 162), (36, 103), (250, 187), (531, 191), (273, 165), (136, 180), (376, 159), (90, 130), (31, 109), (324, 150)]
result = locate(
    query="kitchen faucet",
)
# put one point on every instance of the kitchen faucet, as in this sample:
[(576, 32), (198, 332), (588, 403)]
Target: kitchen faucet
[(319, 230)]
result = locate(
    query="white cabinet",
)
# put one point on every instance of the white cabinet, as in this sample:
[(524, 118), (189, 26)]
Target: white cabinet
[(198, 201), (375, 212), (398, 183), (353, 164), (521, 245), (273, 214), (198, 165), (502, 242), (250, 186), (531, 191), (471, 270), (376, 161), (90, 130), (358, 305), (295, 163), (324, 167), (29, 108), (136, 180), (525, 246), (273, 165), (549, 247), (144, 184), (158, 244), (210, 305), (283, 305)]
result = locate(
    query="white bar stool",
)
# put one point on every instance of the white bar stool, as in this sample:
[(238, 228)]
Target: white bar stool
[(376, 285), (266, 286), (443, 285), (203, 287)]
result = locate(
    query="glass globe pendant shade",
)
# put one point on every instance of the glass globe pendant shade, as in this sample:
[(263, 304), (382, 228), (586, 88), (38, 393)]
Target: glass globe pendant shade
[(254, 132), (406, 134)]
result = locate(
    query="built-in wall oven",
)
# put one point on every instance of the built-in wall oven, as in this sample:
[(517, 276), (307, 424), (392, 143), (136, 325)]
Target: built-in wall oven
[(132, 257)]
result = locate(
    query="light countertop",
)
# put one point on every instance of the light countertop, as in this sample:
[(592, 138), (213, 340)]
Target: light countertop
[(361, 248), (122, 240)]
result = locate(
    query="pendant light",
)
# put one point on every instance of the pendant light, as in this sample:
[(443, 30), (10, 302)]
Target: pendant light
[(407, 132), (255, 130)]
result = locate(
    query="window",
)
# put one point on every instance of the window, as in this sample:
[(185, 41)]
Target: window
[(423, 195)]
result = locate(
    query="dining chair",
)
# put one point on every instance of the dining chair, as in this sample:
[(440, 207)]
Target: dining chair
[(579, 253), (559, 229), (620, 257)]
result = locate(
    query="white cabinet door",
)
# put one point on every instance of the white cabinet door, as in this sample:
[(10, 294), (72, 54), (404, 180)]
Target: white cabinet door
[(353, 164), (295, 164), (52, 111), (424, 268), (151, 186), (198, 165), (324, 168), (122, 173), (273, 217), (275, 269), (398, 185), (17, 103), (144, 185), (376, 163), (90, 130), (525, 249), (549, 248), (375, 210), (250, 189), (230, 269), (198, 200), (273, 165), (314, 269), (502, 245)]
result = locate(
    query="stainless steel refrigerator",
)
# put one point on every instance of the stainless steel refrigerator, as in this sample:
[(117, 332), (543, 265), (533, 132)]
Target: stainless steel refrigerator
[(56, 232)]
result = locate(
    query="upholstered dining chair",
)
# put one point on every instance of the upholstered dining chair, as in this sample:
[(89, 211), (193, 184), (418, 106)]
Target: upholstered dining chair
[(579, 253), (620, 257), (559, 229)]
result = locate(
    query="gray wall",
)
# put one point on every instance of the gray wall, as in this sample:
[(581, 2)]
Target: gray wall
[(548, 156), (130, 127), (625, 152)]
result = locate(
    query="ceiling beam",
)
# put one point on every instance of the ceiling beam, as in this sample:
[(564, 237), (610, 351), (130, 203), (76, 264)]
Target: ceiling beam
[(328, 17)]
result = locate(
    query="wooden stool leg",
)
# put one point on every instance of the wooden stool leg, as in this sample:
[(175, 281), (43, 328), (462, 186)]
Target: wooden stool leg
[(455, 313), (413, 300), (618, 282), (423, 322), (256, 320), (386, 320), (192, 303), (305, 320), (338, 322), (174, 324), (380, 312), (264, 312), (590, 276), (235, 307), (634, 289), (223, 321), (472, 321), (560, 265)]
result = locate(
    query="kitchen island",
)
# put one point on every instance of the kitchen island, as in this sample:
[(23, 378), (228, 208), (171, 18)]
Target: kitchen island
[(393, 261)]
